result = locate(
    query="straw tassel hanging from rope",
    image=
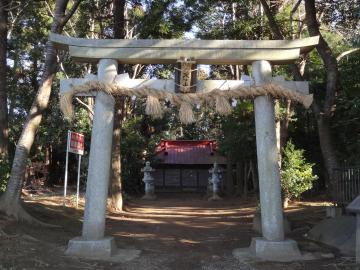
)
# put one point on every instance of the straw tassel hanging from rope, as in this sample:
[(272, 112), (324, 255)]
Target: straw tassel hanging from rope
[(153, 107), (66, 105), (186, 114), (222, 105)]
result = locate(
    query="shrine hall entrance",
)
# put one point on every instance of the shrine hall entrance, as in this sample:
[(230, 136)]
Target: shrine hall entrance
[(181, 179)]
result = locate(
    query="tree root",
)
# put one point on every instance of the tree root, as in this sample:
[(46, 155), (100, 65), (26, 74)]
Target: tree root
[(116, 210), (116, 204), (16, 211)]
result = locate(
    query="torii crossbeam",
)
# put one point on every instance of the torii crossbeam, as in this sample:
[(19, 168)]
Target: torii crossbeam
[(165, 51)]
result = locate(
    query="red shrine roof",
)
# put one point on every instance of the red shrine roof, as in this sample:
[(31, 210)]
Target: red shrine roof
[(188, 152)]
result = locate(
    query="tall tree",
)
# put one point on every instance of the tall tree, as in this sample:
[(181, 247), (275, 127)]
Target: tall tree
[(10, 202), (4, 5), (116, 181), (323, 115)]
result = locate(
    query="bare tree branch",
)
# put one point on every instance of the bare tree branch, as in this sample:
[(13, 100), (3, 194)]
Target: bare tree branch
[(272, 23), (343, 54), (15, 17), (49, 9), (295, 8), (278, 35), (87, 107), (62, 66), (8, 5), (71, 11)]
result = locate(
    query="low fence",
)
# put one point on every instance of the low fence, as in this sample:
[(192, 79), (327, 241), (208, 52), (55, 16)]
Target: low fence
[(346, 185)]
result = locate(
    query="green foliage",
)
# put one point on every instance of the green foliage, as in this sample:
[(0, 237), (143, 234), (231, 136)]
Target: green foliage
[(4, 174), (132, 154), (296, 174), (163, 19), (237, 137), (345, 121), (139, 136), (350, 74), (173, 19)]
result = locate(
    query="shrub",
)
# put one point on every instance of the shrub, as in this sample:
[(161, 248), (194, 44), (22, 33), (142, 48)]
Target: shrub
[(296, 174), (4, 174)]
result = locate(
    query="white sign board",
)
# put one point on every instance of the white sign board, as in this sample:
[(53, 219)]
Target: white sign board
[(76, 143)]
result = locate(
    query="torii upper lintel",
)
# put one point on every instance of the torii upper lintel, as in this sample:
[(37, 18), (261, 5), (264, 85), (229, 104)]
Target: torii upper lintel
[(167, 51)]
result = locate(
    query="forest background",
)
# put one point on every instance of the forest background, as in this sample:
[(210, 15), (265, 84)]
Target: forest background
[(32, 127)]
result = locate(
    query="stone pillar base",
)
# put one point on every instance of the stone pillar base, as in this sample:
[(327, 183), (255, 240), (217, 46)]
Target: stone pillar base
[(278, 251), (102, 248)]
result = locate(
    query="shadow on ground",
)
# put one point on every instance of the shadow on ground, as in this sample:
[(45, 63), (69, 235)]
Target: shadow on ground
[(177, 231)]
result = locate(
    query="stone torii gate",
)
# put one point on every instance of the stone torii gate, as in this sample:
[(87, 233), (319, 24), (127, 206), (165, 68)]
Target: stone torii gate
[(108, 53)]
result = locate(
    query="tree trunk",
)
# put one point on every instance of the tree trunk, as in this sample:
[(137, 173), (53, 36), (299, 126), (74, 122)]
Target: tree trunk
[(3, 91), (10, 201), (55, 171), (324, 116), (327, 147), (116, 181), (119, 19)]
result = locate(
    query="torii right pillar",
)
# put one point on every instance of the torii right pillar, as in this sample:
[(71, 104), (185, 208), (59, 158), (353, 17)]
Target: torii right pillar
[(272, 246)]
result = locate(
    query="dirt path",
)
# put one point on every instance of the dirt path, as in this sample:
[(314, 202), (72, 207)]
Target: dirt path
[(186, 232), (175, 232)]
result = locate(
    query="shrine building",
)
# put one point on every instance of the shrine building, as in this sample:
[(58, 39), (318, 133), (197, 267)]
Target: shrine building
[(183, 165)]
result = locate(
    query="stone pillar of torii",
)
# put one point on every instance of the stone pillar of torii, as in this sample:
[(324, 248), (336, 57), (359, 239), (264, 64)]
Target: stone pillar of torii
[(93, 243)]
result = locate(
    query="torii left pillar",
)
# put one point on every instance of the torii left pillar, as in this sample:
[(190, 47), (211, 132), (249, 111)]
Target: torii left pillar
[(93, 243)]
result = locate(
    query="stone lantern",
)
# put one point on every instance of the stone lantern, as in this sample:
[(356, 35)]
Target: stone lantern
[(215, 180), (149, 182)]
